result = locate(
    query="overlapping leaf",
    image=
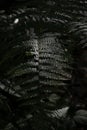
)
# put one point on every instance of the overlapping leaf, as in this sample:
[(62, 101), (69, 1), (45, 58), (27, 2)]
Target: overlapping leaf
[(35, 62)]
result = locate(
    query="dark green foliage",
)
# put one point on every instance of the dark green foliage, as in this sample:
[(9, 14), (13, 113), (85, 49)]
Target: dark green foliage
[(37, 45)]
